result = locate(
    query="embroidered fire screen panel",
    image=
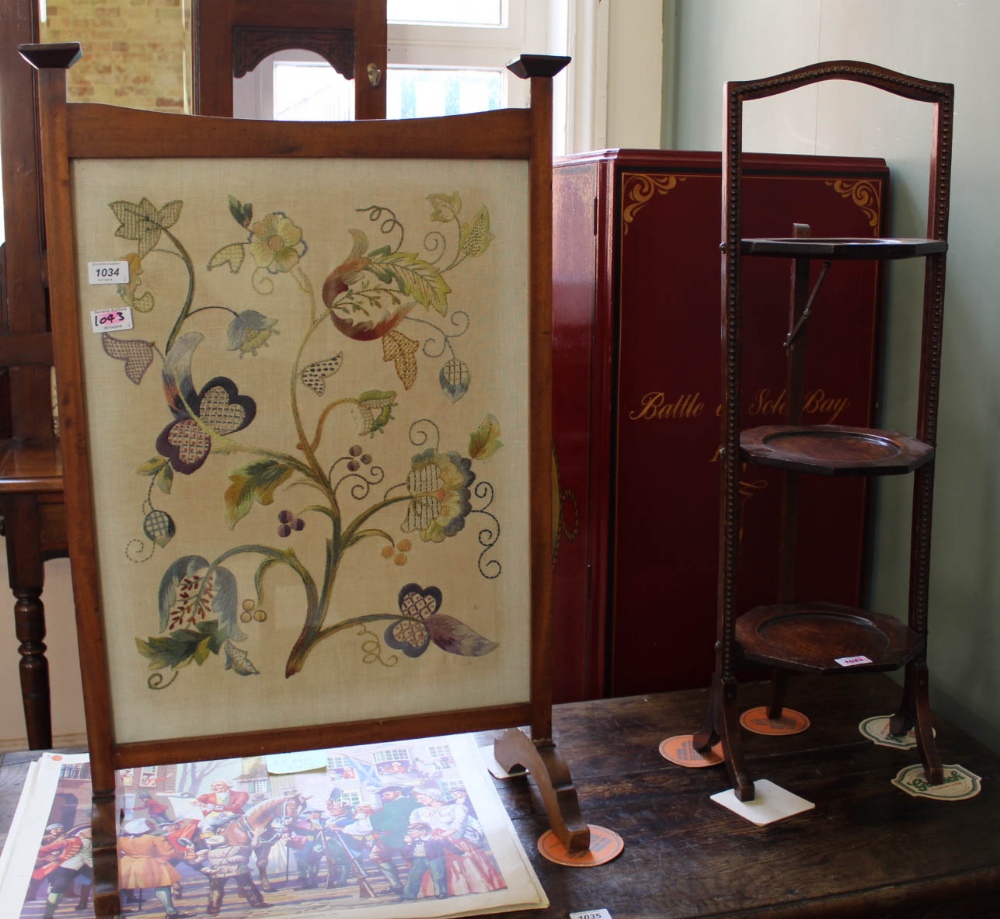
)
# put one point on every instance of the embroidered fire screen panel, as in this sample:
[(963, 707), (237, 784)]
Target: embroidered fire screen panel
[(310, 451)]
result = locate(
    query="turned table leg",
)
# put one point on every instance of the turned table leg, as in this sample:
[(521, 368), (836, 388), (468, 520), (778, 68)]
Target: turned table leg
[(27, 574)]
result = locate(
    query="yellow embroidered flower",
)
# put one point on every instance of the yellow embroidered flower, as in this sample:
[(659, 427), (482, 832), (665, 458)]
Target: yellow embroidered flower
[(276, 243)]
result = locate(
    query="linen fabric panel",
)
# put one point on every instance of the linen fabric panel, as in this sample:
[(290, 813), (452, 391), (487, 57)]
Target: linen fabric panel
[(309, 454)]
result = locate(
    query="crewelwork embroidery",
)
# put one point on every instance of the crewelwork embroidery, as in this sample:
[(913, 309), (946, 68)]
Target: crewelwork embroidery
[(383, 291)]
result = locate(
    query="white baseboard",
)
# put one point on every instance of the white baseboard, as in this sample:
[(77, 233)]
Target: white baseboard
[(59, 742)]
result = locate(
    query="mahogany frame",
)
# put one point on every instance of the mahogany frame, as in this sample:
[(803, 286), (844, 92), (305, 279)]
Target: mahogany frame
[(85, 130)]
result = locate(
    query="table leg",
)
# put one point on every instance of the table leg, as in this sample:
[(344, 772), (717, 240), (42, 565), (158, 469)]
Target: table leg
[(27, 576)]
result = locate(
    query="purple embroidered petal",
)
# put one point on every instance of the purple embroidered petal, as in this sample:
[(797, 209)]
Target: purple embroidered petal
[(409, 636), (185, 444), (223, 409), (418, 603), (457, 638)]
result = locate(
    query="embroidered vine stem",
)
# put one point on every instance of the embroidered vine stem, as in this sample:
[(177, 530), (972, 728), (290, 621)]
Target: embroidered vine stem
[(189, 297)]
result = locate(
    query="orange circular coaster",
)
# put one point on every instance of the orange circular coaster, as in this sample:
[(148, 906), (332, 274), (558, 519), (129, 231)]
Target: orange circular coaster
[(790, 722), (680, 750), (604, 846)]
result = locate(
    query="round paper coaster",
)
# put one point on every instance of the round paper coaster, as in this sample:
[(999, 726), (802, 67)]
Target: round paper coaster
[(680, 750), (959, 783), (604, 846), (790, 722), (876, 729)]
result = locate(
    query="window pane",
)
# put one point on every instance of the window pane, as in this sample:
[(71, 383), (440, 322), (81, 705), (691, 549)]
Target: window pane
[(311, 91), (451, 12), (415, 92)]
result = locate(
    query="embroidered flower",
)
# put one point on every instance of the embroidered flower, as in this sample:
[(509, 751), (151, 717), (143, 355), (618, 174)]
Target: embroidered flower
[(411, 634), (439, 495), (218, 409), (422, 622), (249, 331), (276, 243), (376, 410)]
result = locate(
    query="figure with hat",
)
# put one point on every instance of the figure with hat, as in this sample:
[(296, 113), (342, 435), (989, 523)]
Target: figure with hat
[(145, 862), (304, 836), (390, 823), (472, 869), (73, 856), (426, 854), (225, 861), (223, 799)]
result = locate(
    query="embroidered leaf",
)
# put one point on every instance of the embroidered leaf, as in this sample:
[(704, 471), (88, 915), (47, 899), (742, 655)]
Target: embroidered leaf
[(177, 383), (165, 478), (139, 222), (359, 243), (256, 481), (414, 278), (169, 214), (182, 571), (399, 349), (457, 638), (152, 466), (202, 651), (485, 440), (242, 213), (315, 375), (455, 378), (136, 353), (237, 659), (444, 208), (231, 255), (475, 237), (179, 648), (224, 603)]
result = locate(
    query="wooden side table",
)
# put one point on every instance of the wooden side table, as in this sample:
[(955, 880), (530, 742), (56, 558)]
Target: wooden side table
[(34, 524)]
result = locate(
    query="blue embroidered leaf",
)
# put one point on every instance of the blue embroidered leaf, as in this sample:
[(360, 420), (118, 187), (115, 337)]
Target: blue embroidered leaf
[(224, 603), (183, 569), (177, 382), (457, 638)]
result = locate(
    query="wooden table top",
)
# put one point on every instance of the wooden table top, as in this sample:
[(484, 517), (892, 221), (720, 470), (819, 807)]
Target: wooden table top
[(867, 849)]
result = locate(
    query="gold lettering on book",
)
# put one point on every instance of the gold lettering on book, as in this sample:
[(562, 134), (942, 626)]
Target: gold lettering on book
[(815, 402), (656, 407)]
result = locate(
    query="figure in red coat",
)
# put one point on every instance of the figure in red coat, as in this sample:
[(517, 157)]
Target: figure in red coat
[(223, 800)]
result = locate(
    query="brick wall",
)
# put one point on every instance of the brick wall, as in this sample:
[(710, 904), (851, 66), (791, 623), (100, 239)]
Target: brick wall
[(136, 53)]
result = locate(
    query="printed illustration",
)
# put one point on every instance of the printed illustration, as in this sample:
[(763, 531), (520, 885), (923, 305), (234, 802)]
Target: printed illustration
[(378, 828), (319, 488)]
